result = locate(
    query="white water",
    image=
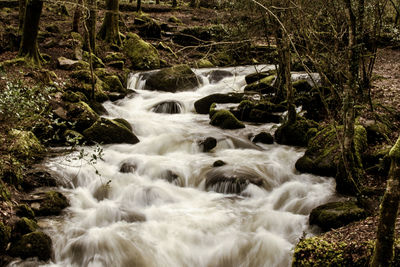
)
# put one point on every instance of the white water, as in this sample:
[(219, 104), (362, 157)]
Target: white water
[(146, 221)]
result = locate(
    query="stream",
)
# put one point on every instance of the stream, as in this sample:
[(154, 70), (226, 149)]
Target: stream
[(159, 212)]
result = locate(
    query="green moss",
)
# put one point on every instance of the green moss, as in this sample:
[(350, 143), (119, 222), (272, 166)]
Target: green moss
[(114, 56), (24, 226), (124, 123), (142, 54), (25, 144), (295, 134), (81, 115), (263, 84), (225, 120), (204, 63), (36, 244), (96, 61), (73, 97), (360, 143), (5, 233), (113, 83), (395, 151), (52, 204), (24, 210)]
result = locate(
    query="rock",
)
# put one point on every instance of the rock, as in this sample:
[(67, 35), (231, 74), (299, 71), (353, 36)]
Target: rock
[(69, 64), (107, 131), (208, 144), (142, 55), (172, 178), (323, 152), (376, 131), (203, 105), (263, 137), (336, 214), (23, 226), (49, 203), (228, 181), (301, 86), (225, 120), (127, 167), (113, 84), (38, 177), (261, 116), (96, 61), (36, 244), (169, 107), (73, 97), (25, 144), (295, 134), (24, 210), (254, 77), (263, 86), (114, 56), (5, 234), (218, 163), (124, 122), (177, 78), (114, 96), (204, 63), (80, 114), (72, 137), (53, 28), (151, 29), (117, 64), (217, 75)]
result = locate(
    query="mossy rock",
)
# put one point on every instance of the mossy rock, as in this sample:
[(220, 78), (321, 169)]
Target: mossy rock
[(69, 64), (294, 134), (82, 75), (113, 83), (107, 131), (50, 203), (203, 105), (174, 19), (5, 234), (36, 244), (124, 122), (143, 55), (336, 214), (4, 193), (114, 56), (81, 115), (302, 86), (86, 89), (377, 132), (225, 120), (263, 137), (96, 61), (72, 137), (264, 85), (173, 79), (24, 210), (25, 144), (23, 226), (73, 97), (204, 63), (254, 77)]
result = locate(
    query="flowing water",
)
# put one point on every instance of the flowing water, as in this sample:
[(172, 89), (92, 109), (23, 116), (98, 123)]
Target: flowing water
[(158, 212)]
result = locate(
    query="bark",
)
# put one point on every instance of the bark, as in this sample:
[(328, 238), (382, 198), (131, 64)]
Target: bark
[(90, 25), (109, 31), (385, 236), (21, 15), (139, 5), (77, 16), (29, 48)]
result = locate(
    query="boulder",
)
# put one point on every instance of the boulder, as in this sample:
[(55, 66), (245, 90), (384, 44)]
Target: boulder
[(124, 122), (263, 137), (225, 120), (150, 29), (81, 115), (168, 107), (96, 61), (336, 214), (204, 63), (203, 105), (172, 178), (119, 64), (25, 144), (73, 97), (23, 226), (37, 177), (208, 144), (35, 244), (254, 77), (113, 83), (218, 163), (69, 64), (217, 75), (49, 203), (173, 79), (302, 86), (231, 181), (24, 210), (295, 134), (143, 55), (263, 86), (114, 56), (127, 167), (107, 131)]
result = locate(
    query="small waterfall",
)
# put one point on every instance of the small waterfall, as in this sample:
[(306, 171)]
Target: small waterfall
[(163, 201)]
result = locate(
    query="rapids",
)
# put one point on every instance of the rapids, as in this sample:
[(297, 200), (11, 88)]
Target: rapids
[(160, 213)]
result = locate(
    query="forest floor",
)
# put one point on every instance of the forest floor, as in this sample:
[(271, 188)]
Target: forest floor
[(385, 89)]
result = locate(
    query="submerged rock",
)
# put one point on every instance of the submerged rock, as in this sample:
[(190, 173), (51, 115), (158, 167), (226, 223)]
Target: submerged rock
[(35, 244), (263, 137), (203, 105), (173, 79), (172, 178), (168, 107), (217, 75), (336, 214), (208, 144), (127, 167), (107, 131)]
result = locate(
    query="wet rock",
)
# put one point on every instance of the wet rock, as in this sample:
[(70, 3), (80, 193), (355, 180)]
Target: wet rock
[(36, 244), (254, 77), (263, 137), (336, 214), (38, 177), (225, 120), (217, 75), (107, 131), (124, 122), (23, 226), (141, 54), (49, 203), (228, 181), (127, 167), (172, 177), (69, 64), (25, 144), (203, 105), (295, 134), (177, 78), (24, 210), (219, 163), (263, 86), (168, 107), (80, 114), (114, 96), (208, 144)]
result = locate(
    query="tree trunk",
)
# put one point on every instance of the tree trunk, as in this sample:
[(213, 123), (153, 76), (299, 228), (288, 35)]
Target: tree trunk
[(109, 31), (139, 5), (21, 15), (385, 236), (77, 16), (29, 48), (90, 34)]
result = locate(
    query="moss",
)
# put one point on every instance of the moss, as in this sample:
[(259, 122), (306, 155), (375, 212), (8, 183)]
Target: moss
[(204, 63), (301, 86), (110, 132), (336, 214), (24, 210), (174, 19), (5, 233), (264, 85), (25, 144), (124, 123), (203, 105), (226, 120), (52, 204), (24, 226), (360, 143), (12, 63), (96, 61), (142, 54), (73, 97), (81, 115), (4, 193), (114, 56), (36, 244), (113, 83), (395, 151), (294, 134)]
